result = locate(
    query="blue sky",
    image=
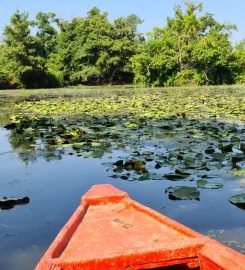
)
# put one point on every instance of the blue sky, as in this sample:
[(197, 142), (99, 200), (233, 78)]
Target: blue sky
[(153, 12)]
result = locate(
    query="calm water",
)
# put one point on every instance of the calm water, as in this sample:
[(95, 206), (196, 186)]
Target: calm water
[(55, 187)]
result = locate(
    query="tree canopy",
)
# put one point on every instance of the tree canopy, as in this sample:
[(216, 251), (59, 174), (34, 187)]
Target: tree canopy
[(192, 48)]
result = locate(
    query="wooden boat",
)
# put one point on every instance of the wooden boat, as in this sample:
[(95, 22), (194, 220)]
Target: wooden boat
[(111, 231)]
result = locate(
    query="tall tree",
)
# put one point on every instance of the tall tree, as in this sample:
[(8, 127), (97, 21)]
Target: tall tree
[(24, 54), (239, 64), (5, 80), (213, 54), (156, 60), (94, 50), (186, 51), (92, 43), (185, 29), (47, 25), (18, 48), (191, 49), (125, 43), (46, 35), (81, 44)]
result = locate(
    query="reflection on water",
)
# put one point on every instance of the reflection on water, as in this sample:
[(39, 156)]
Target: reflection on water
[(54, 178), (54, 188), (234, 237)]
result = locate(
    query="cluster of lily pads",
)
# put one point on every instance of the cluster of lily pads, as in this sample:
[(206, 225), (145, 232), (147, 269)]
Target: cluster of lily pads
[(157, 136), (196, 152), (174, 149), (151, 104)]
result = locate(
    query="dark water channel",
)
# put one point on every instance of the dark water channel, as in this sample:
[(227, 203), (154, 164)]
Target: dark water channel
[(55, 185)]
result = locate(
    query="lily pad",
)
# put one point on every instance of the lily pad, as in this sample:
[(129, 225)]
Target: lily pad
[(238, 171), (182, 172), (209, 185), (137, 165), (175, 176), (242, 147), (124, 177), (199, 156), (218, 156), (225, 148), (119, 163), (238, 200), (183, 193), (235, 139), (132, 125), (238, 157), (10, 126), (144, 177), (78, 146), (158, 165), (209, 150), (95, 144), (8, 203), (194, 163)]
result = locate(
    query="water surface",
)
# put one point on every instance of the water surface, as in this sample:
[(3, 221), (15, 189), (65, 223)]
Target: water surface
[(55, 188), (54, 180)]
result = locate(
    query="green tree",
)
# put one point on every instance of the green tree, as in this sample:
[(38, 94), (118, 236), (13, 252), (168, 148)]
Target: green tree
[(156, 60), (185, 29), (5, 80), (24, 55), (239, 65), (18, 45), (93, 50), (190, 49), (213, 54), (79, 45), (46, 35), (125, 43), (46, 47), (92, 43)]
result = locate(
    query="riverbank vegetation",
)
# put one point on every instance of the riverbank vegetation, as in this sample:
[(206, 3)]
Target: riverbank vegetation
[(191, 49)]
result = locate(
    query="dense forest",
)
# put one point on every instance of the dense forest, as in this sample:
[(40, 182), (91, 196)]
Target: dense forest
[(191, 49)]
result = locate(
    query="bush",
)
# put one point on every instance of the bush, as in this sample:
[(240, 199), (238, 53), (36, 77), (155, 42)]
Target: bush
[(5, 82), (38, 79), (240, 78), (187, 77)]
